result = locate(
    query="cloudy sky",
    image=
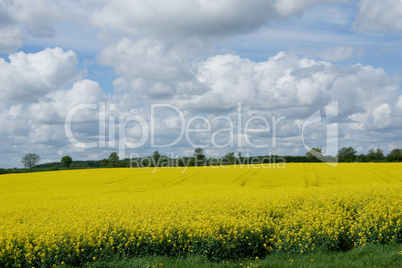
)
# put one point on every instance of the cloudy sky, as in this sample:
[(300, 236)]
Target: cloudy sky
[(86, 78)]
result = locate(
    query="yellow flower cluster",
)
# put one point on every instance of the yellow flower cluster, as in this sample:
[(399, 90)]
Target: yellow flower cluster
[(72, 217)]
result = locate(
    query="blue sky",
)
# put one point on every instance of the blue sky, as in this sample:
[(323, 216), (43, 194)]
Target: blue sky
[(276, 58)]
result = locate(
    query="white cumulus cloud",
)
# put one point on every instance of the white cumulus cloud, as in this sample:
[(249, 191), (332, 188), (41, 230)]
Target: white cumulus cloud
[(27, 77), (22, 19), (383, 15)]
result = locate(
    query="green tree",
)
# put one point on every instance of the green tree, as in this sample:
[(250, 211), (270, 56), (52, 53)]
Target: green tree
[(104, 163), (67, 161), (181, 162), (347, 154), (199, 157), (314, 154), (361, 158), (239, 158), (156, 158), (30, 161), (113, 159), (395, 155), (375, 156), (229, 158)]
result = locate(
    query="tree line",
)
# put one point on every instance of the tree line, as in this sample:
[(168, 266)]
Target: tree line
[(349, 154), (346, 154)]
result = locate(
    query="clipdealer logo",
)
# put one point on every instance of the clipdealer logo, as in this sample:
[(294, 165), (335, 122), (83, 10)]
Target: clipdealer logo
[(116, 125), (239, 128)]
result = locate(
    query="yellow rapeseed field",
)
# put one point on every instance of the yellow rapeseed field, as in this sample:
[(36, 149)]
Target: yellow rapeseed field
[(72, 217)]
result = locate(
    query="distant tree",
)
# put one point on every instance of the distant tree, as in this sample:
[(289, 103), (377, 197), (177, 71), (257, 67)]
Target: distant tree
[(199, 157), (156, 158), (124, 164), (347, 154), (104, 163), (361, 158), (67, 161), (314, 154), (212, 161), (30, 161), (229, 158), (181, 162), (395, 155), (239, 158), (370, 157), (113, 159), (375, 156), (146, 162)]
